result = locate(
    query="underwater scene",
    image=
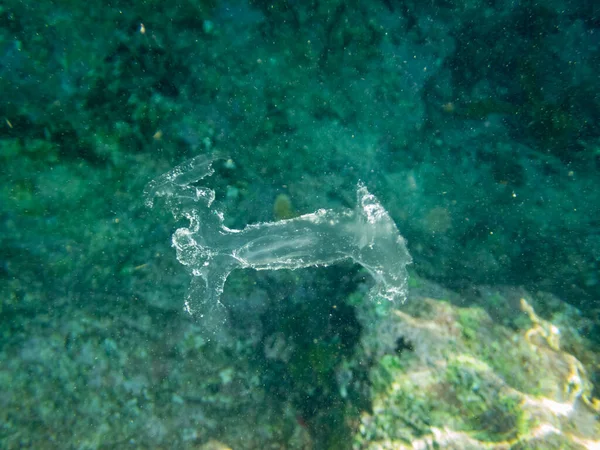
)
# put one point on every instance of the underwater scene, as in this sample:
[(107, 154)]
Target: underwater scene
[(283, 224)]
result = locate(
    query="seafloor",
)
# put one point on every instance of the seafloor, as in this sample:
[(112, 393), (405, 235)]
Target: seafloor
[(477, 126)]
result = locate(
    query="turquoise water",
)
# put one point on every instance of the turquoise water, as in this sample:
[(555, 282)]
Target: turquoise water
[(473, 126)]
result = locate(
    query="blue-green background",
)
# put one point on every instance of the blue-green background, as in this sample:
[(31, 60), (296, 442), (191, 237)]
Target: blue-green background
[(476, 124)]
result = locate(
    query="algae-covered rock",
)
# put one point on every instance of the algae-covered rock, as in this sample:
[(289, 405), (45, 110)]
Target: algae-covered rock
[(451, 377)]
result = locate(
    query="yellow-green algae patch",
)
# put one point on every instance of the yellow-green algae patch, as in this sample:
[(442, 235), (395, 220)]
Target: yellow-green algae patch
[(453, 377)]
